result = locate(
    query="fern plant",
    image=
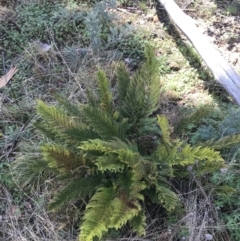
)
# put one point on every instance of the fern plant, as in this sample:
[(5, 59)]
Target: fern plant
[(98, 148)]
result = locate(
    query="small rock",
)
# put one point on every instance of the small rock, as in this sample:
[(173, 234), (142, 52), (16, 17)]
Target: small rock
[(234, 58), (155, 19), (45, 47), (174, 65), (223, 170), (208, 236), (149, 17)]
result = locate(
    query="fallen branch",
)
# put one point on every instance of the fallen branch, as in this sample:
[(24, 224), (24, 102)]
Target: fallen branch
[(222, 71), (4, 79)]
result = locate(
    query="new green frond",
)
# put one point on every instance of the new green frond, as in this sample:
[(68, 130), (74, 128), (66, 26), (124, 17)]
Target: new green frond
[(105, 96), (97, 216), (189, 155), (165, 130), (139, 95), (150, 72)]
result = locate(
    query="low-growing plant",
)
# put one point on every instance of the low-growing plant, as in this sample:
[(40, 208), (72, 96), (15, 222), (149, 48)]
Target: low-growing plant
[(44, 22), (113, 154), (220, 130)]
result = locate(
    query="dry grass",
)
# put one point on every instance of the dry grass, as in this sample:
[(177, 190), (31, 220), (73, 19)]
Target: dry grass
[(29, 220)]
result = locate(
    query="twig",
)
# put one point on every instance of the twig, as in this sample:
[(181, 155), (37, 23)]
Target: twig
[(4, 79), (123, 10)]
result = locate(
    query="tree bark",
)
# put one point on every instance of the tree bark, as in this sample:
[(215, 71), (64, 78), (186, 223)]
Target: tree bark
[(222, 71)]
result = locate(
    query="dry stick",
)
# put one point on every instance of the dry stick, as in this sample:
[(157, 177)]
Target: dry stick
[(4, 79), (222, 71)]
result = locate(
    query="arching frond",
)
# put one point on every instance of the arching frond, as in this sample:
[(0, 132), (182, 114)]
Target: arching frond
[(54, 115), (223, 143), (124, 210), (79, 188), (167, 197), (61, 158), (188, 155), (97, 215), (109, 163), (138, 223), (121, 151)]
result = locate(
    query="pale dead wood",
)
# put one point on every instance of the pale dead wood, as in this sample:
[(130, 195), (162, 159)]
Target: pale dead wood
[(222, 71), (4, 80)]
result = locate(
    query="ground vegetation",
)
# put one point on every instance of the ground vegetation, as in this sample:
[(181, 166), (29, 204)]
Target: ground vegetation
[(82, 73)]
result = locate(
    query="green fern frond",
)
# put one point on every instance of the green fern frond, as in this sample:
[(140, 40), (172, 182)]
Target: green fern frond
[(123, 80), (129, 187), (60, 125), (61, 158), (133, 105), (140, 97), (104, 124), (124, 210), (224, 142), (117, 144), (95, 145), (105, 96), (136, 188), (189, 155), (92, 99), (96, 219), (150, 72), (117, 148), (165, 130), (78, 133), (109, 163), (128, 157), (167, 197), (138, 223), (79, 188), (207, 166), (71, 108), (54, 115)]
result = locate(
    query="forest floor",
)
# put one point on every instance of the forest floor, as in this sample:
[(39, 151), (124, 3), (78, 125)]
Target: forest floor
[(187, 85)]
